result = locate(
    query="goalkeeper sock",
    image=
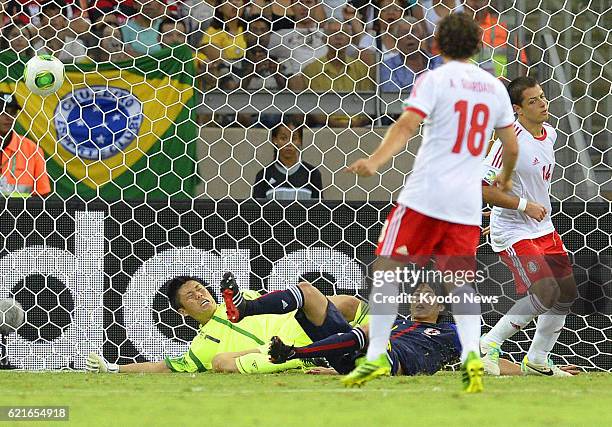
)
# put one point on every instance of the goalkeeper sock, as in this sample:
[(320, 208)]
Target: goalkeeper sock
[(548, 329), (383, 308), (278, 302), (258, 363), (334, 345), (521, 313), (467, 319)]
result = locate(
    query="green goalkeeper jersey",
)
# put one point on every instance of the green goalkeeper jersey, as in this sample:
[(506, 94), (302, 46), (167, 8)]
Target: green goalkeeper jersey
[(219, 335)]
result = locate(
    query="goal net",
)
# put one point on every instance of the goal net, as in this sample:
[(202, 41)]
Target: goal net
[(155, 149)]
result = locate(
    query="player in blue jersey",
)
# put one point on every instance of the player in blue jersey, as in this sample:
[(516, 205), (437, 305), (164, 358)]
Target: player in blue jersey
[(421, 345), (417, 346)]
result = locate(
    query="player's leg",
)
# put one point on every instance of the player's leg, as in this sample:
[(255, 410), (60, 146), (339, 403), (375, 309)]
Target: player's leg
[(333, 346), (351, 308), (531, 273), (550, 324), (277, 302), (406, 236), (456, 253), (304, 296)]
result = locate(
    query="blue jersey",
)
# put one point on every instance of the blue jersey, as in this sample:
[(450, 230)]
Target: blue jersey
[(422, 348)]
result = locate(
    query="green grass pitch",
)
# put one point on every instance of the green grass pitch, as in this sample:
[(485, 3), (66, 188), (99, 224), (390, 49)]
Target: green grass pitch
[(296, 399)]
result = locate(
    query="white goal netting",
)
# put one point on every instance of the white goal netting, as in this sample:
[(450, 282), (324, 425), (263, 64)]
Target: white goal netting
[(159, 157)]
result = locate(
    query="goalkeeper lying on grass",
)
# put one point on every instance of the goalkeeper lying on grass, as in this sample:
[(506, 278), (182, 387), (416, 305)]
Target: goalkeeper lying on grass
[(417, 346), (222, 346)]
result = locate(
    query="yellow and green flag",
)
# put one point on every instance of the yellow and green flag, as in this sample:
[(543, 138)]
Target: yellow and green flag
[(115, 131)]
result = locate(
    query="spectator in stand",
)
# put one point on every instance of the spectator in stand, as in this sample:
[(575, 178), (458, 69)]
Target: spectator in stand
[(224, 42), (195, 14), (55, 36), (22, 162), (225, 38), (338, 72), (282, 15), (222, 49), (496, 51), (16, 37), (288, 177), (109, 46), (402, 64), (141, 31), (173, 32), (358, 31), (260, 71), (103, 8), (387, 11), (258, 33), (298, 46), (435, 10)]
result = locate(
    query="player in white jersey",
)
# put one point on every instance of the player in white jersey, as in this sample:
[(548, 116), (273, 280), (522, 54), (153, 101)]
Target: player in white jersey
[(523, 234), (438, 211)]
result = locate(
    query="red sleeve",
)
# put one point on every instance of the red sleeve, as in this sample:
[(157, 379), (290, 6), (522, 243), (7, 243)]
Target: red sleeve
[(416, 110)]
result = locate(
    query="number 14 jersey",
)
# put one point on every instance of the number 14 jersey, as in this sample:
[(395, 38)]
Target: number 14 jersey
[(531, 180), (461, 104)]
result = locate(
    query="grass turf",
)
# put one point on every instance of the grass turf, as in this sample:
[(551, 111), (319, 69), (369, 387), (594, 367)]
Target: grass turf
[(296, 399)]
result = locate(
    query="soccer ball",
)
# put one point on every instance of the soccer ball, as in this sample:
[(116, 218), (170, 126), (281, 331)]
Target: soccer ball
[(43, 75)]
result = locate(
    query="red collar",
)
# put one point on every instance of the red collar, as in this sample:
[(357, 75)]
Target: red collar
[(543, 137)]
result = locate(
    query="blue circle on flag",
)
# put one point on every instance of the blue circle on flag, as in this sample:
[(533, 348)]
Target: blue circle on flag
[(97, 122)]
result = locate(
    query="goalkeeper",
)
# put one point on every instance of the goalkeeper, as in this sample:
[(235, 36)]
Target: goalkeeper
[(222, 346)]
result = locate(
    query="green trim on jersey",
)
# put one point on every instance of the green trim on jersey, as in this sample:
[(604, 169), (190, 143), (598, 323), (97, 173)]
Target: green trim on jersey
[(197, 361), (238, 329), (169, 364)]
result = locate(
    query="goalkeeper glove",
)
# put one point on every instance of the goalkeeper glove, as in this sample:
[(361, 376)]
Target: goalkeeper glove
[(97, 364)]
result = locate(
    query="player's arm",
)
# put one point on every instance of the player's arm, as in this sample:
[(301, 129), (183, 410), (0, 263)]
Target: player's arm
[(145, 368), (97, 364), (493, 195), (509, 157), (394, 141), (253, 361)]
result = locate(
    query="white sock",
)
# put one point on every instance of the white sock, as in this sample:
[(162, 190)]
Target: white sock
[(382, 317), (467, 319), (548, 329), (522, 312)]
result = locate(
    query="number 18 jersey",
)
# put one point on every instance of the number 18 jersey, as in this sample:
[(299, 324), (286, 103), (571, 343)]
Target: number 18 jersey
[(461, 105)]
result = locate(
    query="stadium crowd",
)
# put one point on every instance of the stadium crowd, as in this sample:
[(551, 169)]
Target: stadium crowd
[(254, 45), (319, 45)]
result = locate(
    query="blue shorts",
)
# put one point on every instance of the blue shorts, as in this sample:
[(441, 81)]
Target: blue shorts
[(334, 323)]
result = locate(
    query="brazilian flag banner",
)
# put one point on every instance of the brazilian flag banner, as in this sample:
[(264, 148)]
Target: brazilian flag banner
[(114, 131)]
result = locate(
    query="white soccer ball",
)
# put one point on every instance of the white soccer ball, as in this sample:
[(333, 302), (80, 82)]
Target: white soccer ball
[(44, 75)]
